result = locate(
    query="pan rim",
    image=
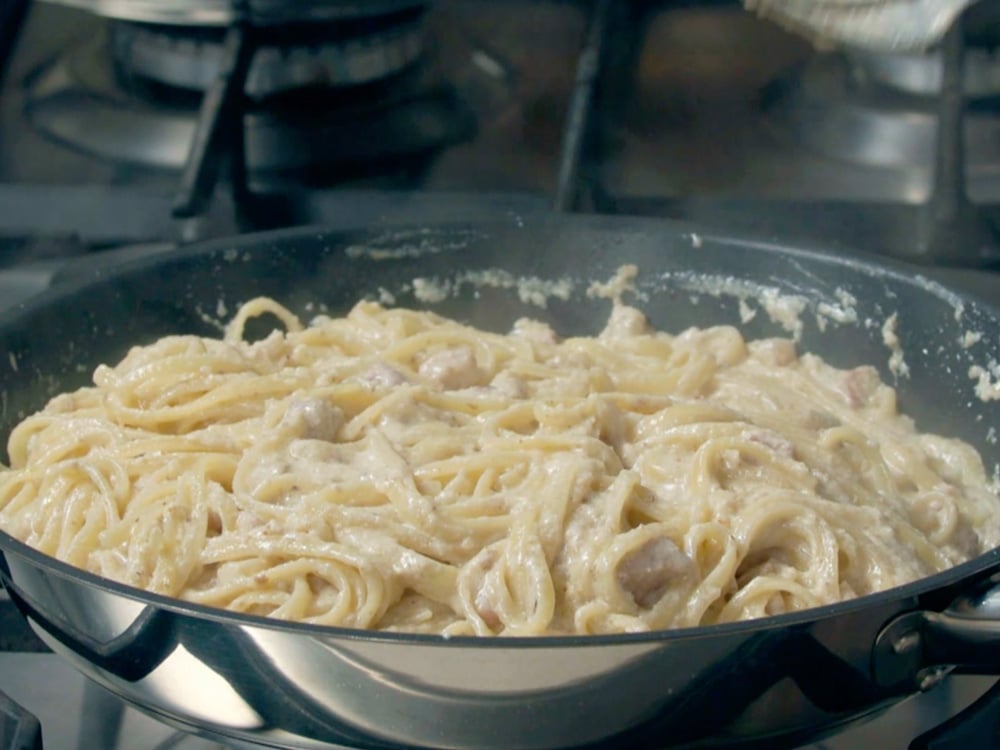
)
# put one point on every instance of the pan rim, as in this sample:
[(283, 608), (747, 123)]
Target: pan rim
[(857, 260)]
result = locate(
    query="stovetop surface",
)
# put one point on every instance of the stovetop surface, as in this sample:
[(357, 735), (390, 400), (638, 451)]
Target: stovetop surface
[(63, 701)]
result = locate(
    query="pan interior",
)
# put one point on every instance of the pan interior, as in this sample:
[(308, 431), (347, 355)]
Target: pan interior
[(845, 310)]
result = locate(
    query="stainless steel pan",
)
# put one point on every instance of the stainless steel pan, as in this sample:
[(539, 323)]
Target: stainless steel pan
[(788, 678)]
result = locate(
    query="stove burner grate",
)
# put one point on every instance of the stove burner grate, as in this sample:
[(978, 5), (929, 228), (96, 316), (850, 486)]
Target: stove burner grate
[(320, 55), (303, 122)]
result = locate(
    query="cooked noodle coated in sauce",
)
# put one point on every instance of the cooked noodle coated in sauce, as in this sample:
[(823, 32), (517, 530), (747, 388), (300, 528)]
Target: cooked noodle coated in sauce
[(396, 470)]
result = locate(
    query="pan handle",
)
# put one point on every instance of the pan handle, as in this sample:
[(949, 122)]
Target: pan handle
[(132, 655), (917, 649)]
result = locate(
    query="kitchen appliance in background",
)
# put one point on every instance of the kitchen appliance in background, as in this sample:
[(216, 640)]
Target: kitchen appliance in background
[(698, 110), (131, 126)]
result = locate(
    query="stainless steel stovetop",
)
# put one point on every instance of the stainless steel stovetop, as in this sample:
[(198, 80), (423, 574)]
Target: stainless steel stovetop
[(76, 715)]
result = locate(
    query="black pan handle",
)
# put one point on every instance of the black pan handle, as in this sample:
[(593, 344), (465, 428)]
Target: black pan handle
[(919, 648), (132, 655)]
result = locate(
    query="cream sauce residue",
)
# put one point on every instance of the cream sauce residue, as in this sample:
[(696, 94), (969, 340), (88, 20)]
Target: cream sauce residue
[(529, 289), (970, 339), (782, 308), (613, 289), (987, 380), (843, 312), (431, 291), (897, 363)]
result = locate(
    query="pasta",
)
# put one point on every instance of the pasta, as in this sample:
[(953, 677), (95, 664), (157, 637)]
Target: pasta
[(396, 470)]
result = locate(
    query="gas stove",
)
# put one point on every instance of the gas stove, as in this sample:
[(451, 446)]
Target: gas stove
[(118, 125), (130, 127)]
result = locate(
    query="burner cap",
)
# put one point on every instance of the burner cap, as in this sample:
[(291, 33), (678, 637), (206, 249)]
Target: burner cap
[(329, 54), (226, 12), (313, 135)]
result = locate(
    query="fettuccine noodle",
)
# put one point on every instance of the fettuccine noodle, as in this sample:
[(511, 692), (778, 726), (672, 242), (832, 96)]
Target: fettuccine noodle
[(396, 470)]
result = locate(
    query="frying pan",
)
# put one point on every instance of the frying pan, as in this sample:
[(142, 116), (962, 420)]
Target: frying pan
[(781, 680)]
